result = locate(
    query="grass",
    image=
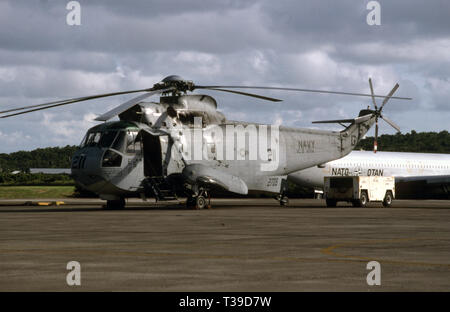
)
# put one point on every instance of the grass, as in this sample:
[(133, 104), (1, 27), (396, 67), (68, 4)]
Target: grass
[(12, 192)]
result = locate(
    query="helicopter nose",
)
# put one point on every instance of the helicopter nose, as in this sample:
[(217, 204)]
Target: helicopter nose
[(86, 169)]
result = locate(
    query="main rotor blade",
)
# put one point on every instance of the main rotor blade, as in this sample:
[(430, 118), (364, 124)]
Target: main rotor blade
[(391, 123), (389, 96), (247, 94), (37, 109), (302, 90), (74, 100), (123, 107), (371, 92)]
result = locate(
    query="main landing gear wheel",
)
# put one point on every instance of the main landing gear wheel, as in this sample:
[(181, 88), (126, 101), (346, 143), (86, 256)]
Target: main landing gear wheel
[(284, 201), (200, 201), (115, 204)]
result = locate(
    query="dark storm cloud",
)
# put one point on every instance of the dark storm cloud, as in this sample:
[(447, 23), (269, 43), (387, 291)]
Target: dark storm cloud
[(344, 21), (107, 27), (216, 26), (151, 8)]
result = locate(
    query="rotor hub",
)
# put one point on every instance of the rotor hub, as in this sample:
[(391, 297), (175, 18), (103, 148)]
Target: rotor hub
[(177, 83)]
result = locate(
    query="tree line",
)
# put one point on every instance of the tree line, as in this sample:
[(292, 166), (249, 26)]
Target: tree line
[(419, 142), (49, 157)]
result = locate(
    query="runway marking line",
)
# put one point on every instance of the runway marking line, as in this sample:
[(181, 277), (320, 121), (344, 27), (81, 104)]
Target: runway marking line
[(330, 251)]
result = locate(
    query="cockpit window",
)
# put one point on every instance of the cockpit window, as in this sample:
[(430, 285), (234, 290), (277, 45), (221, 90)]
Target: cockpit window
[(127, 141), (118, 143), (83, 141), (107, 138), (133, 142), (92, 139)]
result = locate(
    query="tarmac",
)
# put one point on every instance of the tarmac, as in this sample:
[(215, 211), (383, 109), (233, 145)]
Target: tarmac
[(237, 245)]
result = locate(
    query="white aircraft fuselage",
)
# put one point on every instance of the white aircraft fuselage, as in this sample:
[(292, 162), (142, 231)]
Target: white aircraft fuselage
[(398, 164)]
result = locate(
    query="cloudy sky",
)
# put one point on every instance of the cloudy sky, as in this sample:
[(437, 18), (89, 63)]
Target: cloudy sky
[(124, 45)]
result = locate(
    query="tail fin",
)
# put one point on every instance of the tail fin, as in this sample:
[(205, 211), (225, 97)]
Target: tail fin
[(359, 126), (365, 118)]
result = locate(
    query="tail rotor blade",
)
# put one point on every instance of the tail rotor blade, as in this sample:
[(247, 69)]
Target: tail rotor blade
[(391, 123), (375, 142), (371, 92), (389, 96)]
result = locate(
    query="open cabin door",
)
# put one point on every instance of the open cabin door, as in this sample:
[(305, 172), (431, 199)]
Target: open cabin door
[(151, 147)]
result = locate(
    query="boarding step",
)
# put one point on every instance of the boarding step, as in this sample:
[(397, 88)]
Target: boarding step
[(159, 187)]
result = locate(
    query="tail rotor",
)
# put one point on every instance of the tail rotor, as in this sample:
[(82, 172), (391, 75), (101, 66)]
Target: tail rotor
[(378, 113)]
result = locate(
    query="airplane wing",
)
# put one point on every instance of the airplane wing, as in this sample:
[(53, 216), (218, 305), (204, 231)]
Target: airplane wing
[(200, 174), (437, 186), (435, 179)]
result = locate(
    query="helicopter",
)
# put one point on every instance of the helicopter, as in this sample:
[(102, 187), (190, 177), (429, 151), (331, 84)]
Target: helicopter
[(184, 144)]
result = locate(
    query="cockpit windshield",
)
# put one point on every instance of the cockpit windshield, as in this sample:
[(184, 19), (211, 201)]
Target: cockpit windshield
[(125, 141), (100, 139)]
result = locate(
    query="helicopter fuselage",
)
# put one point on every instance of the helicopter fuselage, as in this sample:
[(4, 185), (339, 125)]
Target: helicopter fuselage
[(116, 157)]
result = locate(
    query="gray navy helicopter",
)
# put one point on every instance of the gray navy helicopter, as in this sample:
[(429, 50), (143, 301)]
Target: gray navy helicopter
[(184, 144)]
